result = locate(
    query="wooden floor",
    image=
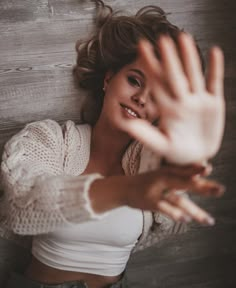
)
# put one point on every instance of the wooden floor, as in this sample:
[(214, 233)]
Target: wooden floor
[(37, 39)]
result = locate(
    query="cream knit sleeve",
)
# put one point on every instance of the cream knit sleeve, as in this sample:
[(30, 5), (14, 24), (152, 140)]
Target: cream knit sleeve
[(38, 196)]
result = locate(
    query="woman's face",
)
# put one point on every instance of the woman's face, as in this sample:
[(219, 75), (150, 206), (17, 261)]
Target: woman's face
[(128, 95)]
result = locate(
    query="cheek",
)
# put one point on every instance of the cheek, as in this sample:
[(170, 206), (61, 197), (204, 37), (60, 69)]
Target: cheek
[(120, 91), (116, 87)]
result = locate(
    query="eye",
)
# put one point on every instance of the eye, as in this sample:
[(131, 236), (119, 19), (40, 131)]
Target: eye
[(133, 81)]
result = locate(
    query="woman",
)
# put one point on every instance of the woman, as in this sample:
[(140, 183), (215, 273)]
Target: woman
[(91, 194)]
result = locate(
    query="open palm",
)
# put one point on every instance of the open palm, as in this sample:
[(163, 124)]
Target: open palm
[(192, 109)]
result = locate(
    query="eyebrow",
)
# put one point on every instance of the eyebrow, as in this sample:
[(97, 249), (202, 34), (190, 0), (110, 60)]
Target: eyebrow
[(138, 72)]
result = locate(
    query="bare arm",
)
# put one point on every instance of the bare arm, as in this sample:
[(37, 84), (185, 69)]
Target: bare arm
[(39, 197), (145, 191)]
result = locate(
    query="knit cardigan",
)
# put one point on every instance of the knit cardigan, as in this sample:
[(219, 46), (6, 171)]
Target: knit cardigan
[(43, 188)]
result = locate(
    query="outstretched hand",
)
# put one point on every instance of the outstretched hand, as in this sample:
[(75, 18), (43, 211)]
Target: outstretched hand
[(192, 108), (160, 190)]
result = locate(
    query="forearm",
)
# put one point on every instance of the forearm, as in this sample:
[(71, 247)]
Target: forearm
[(110, 193), (52, 202)]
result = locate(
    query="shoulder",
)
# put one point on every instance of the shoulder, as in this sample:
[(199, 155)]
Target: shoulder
[(45, 126), (44, 133), (46, 145), (131, 158), (72, 130), (47, 135), (77, 140), (138, 159), (38, 131), (38, 145), (48, 129), (67, 138)]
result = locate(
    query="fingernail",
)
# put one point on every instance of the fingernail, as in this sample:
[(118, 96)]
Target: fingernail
[(221, 190), (218, 191), (210, 221), (208, 170)]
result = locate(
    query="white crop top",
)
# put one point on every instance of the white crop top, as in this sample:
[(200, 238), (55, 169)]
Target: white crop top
[(98, 247)]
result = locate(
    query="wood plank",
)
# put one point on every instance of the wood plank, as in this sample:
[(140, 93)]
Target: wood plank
[(37, 40)]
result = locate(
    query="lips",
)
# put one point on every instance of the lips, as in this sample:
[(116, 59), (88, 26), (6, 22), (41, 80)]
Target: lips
[(135, 111)]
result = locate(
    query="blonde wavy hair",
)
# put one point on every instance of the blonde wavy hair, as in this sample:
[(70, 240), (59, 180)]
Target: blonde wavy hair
[(114, 41)]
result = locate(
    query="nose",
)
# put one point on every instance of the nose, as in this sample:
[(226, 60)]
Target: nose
[(140, 99)]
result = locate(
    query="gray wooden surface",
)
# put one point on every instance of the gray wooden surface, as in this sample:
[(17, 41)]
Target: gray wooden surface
[(37, 39)]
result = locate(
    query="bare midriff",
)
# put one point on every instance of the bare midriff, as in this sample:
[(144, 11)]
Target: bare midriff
[(40, 272)]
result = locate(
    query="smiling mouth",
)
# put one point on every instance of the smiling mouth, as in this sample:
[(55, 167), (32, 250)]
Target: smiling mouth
[(130, 112)]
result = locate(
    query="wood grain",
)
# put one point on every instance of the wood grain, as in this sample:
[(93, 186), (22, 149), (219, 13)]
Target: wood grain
[(37, 40)]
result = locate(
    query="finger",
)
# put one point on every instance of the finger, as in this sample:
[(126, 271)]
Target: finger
[(208, 168), (205, 167), (196, 185), (173, 68), (148, 135), (152, 66), (151, 63), (172, 211), (189, 170), (191, 63), (189, 207), (215, 75), (206, 187)]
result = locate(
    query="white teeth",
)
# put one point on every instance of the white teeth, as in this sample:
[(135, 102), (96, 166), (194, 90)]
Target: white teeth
[(131, 112)]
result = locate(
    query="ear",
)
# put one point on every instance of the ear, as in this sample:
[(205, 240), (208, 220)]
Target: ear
[(107, 79)]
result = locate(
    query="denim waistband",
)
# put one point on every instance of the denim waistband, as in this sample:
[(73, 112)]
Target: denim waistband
[(17, 280)]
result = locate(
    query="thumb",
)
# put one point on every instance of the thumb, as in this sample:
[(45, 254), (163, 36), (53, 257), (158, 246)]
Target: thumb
[(148, 135)]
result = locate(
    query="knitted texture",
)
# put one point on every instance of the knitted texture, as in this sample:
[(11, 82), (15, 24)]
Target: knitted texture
[(43, 188), (39, 195)]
